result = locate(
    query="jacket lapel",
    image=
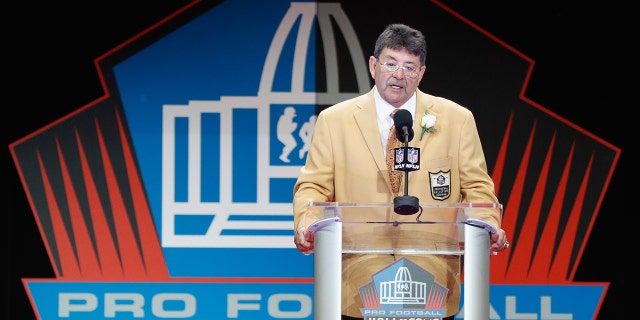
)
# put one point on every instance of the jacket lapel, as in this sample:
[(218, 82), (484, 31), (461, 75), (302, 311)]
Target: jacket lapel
[(367, 122)]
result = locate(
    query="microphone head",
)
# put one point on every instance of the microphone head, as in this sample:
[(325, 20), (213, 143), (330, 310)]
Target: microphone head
[(403, 120)]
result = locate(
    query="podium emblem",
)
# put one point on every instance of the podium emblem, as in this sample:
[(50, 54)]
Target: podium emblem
[(403, 289)]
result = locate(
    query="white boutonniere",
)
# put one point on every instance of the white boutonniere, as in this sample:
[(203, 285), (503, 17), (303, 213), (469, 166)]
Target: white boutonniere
[(428, 123)]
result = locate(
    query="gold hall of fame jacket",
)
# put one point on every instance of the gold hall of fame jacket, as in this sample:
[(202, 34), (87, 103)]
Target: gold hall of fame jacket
[(346, 163)]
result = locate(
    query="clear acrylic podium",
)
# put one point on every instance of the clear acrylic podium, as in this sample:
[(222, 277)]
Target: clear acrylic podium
[(374, 228)]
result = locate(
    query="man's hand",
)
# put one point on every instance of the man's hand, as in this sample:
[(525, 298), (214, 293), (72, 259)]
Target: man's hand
[(499, 241), (304, 241)]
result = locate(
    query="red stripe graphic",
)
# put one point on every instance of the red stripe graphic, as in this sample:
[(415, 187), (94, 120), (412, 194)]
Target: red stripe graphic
[(560, 264), (499, 265), (84, 246), (544, 255), (109, 235), (519, 265), (109, 259), (436, 298), (542, 243), (128, 245), (67, 256)]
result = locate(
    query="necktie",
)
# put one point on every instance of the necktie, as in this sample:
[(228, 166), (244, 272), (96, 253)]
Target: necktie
[(393, 142)]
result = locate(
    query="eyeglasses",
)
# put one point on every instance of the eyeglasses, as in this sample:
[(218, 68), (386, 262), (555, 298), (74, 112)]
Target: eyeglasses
[(392, 67)]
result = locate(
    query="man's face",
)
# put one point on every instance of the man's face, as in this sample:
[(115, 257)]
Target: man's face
[(398, 86)]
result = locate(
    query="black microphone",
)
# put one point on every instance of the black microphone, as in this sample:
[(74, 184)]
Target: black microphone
[(404, 125), (406, 204)]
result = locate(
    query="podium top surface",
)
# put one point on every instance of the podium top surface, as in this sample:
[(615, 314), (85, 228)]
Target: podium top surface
[(460, 205), (375, 228)]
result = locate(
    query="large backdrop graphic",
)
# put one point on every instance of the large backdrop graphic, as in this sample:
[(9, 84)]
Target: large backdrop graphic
[(51, 75)]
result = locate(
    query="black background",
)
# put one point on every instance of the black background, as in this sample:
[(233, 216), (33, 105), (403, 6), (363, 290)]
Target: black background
[(583, 73)]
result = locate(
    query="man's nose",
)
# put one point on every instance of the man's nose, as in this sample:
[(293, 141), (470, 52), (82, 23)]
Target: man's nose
[(397, 73)]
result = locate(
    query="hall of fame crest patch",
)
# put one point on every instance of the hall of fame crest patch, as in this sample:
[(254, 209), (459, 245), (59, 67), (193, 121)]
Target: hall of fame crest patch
[(440, 184)]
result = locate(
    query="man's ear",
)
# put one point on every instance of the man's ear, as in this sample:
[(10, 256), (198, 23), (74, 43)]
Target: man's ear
[(372, 66)]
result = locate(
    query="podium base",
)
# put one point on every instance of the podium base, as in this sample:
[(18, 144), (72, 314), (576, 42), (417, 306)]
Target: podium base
[(406, 205)]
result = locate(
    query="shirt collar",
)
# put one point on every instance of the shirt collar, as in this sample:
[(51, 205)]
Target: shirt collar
[(383, 108)]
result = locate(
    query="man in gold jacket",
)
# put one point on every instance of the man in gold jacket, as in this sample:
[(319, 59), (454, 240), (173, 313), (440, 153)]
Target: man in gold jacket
[(347, 162)]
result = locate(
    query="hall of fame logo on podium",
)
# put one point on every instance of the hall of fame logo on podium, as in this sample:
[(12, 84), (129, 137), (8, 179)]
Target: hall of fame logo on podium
[(403, 290)]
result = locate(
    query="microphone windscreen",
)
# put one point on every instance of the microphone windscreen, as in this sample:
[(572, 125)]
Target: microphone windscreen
[(402, 119)]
